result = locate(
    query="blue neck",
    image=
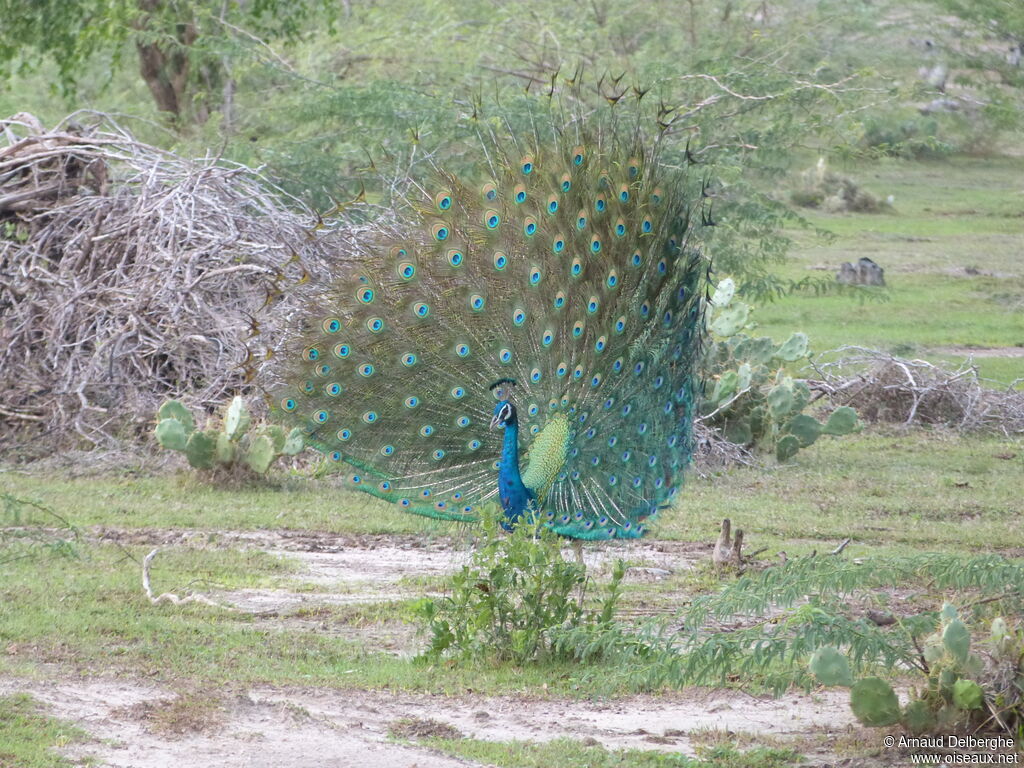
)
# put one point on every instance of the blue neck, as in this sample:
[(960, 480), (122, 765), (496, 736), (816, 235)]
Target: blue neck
[(513, 494)]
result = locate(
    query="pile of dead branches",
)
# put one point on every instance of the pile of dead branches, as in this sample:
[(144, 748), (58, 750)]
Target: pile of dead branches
[(882, 387), (128, 274)]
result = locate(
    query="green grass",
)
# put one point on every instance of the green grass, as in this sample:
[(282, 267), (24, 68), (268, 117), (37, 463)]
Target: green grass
[(566, 752), (948, 215), (889, 492), (29, 738)]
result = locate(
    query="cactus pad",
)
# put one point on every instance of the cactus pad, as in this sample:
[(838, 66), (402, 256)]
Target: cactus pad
[(830, 667), (874, 702), (967, 694), (172, 409), (237, 419), (261, 454), (957, 639), (170, 433), (200, 449)]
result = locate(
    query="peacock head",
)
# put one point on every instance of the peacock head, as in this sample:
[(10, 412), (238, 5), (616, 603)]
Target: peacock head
[(504, 410)]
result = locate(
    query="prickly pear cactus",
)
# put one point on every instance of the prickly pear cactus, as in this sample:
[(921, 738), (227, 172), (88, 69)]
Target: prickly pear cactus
[(235, 444), (831, 667), (874, 702), (959, 688), (752, 399)]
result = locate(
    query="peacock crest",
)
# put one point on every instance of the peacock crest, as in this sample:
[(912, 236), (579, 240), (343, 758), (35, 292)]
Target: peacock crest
[(558, 288)]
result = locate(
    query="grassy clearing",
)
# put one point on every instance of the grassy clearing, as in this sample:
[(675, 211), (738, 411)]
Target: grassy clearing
[(948, 215), (889, 492), (29, 738)]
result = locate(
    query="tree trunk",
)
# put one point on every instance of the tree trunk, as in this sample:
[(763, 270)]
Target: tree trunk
[(165, 66)]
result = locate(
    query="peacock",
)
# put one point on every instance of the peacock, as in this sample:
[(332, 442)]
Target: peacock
[(557, 276)]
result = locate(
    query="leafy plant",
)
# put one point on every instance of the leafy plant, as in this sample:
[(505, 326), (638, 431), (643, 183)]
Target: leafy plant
[(515, 600), (753, 400), (233, 445)]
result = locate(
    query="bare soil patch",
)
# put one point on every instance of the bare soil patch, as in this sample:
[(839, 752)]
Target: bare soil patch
[(303, 728)]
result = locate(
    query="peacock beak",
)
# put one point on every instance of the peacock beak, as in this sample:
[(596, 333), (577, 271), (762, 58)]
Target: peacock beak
[(495, 421)]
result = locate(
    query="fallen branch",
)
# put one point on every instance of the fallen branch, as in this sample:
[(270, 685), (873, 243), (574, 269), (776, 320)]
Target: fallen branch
[(170, 597)]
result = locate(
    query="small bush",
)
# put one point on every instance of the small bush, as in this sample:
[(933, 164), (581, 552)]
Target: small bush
[(514, 599)]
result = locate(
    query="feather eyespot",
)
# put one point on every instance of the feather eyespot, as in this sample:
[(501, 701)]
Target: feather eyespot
[(505, 355), (500, 260), (577, 268), (439, 232), (408, 359), (321, 417), (489, 191), (519, 316), (633, 167), (577, 329), (613, 279), (526, 165), (443, 201), (636, 259), (364, 295), (288, 405), (458, 393), (600, 203), (406, 270), (535, 375), (595, 245), (491, 219), (578, 155), (421, 309), (560, 299), (412, 402), (333, 389), (535, 276), (335, 455), (620, 227), (332, 325), (561, 370), (344, 434), (455, 257), (311, 354), (462, 350), (437, 456), (529, 226), (547, 338), (426, 430), (593, 304), (519, 193), (558, 245), (656, 195), (476, 302), (323, 370), (366, 370), (581, 220), (387, 450), (342, 350), (646, 226), (375, 325), (566, 182), (624, 193), (473, 445), (552, 206), (462, 421), (600, 344)]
